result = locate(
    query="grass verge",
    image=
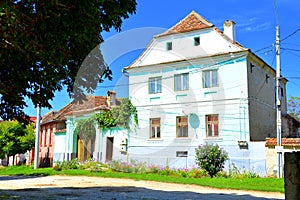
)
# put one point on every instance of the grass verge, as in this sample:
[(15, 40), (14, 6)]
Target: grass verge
[(256, 184)]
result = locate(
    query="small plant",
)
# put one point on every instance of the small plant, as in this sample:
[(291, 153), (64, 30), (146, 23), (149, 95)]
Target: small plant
[(234, 172), (196, 173), (211, 158), (92, 166), (153, 169), (65, 165), (119, 166)]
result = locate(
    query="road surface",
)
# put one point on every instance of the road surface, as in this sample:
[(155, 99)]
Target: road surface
[(83, 187)]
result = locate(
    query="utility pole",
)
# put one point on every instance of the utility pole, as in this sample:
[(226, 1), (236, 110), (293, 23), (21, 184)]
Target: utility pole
[(37, 137), (278, 104)]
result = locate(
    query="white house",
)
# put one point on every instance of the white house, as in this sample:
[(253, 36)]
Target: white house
[(195, 84)]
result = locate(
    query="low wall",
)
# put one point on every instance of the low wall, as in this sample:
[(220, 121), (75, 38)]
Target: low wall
[(292, 175)]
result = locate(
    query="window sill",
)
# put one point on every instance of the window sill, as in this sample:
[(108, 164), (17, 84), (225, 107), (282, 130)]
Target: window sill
[(217, 139), (183, 139), (155, 140)]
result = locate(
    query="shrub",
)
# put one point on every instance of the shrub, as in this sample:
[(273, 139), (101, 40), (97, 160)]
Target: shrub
[(196, 173), (65, 165), (92, 165), (211, 158), (120, 166)]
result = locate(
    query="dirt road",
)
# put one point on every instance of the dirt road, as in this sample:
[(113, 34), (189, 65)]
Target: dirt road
[(82, 187)]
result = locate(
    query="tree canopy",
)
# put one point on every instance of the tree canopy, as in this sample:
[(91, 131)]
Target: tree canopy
[(294, 107), (44, 43), (15, 138)]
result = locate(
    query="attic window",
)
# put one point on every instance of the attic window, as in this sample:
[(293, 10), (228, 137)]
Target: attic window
[(169, 46), (196, 41)]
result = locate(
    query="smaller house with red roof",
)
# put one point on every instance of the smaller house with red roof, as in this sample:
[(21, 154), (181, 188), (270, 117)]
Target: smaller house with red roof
[(104, 146), (51, 123)]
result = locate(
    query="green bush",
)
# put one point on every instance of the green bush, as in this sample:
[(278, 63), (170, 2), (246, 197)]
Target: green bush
[(211, 158), (65, 165), (196, 173), (92, 166)]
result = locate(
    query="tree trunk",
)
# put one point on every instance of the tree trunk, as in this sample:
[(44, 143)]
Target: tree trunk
[(7, 160)]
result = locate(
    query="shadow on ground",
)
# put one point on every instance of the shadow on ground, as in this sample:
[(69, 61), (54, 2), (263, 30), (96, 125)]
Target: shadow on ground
[(15, 177), (115, 193)]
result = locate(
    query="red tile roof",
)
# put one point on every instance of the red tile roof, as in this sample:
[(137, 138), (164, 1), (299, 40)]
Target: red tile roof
[(91, 104), (287, 142), (56, 115), (190, 23)]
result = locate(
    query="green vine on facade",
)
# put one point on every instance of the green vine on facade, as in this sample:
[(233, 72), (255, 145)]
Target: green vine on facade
[(86, 128)]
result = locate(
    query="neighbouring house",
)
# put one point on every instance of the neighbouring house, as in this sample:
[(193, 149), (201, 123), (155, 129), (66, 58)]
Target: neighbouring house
[(288, 145), (104, 146), (195, 84), (51, 123)]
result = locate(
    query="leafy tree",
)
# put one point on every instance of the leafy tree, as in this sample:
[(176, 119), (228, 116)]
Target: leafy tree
[(44, 43), (294, 107), (211, 158), (15, 138)]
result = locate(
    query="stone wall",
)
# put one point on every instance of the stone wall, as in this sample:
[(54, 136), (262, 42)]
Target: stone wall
[(292, 175)]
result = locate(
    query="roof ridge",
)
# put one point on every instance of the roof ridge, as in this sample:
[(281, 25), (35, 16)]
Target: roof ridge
[(193, 21)]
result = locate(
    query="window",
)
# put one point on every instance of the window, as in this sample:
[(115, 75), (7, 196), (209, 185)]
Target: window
[(154, 128), (169, 46), (210, 78), (181, 82), (181, 154), (182, 126), (196, 41), (50, 139), (212, 125), (155, 85)]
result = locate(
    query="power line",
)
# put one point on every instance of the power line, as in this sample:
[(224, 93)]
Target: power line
[(290, 35), (290, 49)]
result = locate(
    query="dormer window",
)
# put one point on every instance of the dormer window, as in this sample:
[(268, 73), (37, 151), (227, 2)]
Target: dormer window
[(196, 41), (169, 46)]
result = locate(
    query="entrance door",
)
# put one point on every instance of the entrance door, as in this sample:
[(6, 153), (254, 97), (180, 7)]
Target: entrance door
[(109, 148)]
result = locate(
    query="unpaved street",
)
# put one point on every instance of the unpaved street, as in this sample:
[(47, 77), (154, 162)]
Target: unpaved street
[(81, 187)]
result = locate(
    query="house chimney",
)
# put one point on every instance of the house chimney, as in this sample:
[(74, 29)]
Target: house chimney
[(229, 29), (111, 98)]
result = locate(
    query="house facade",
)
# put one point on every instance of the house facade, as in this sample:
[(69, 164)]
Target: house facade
[(195, 84), (102, 145), (51, 123)]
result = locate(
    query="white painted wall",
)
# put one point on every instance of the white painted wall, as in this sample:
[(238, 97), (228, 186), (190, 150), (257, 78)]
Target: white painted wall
[(211, 42), (59, 149), (230, 100)]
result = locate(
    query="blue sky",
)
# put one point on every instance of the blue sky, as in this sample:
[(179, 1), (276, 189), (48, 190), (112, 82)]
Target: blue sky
[(255, 29)]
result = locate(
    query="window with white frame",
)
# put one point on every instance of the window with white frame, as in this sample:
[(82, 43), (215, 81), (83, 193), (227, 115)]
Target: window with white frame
[(181, 82), (212, 125), (210, 78), (155, 85), (182, 126), (155, 128)]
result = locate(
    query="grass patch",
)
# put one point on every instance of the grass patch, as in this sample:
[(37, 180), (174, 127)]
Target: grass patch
[(257, 184)]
